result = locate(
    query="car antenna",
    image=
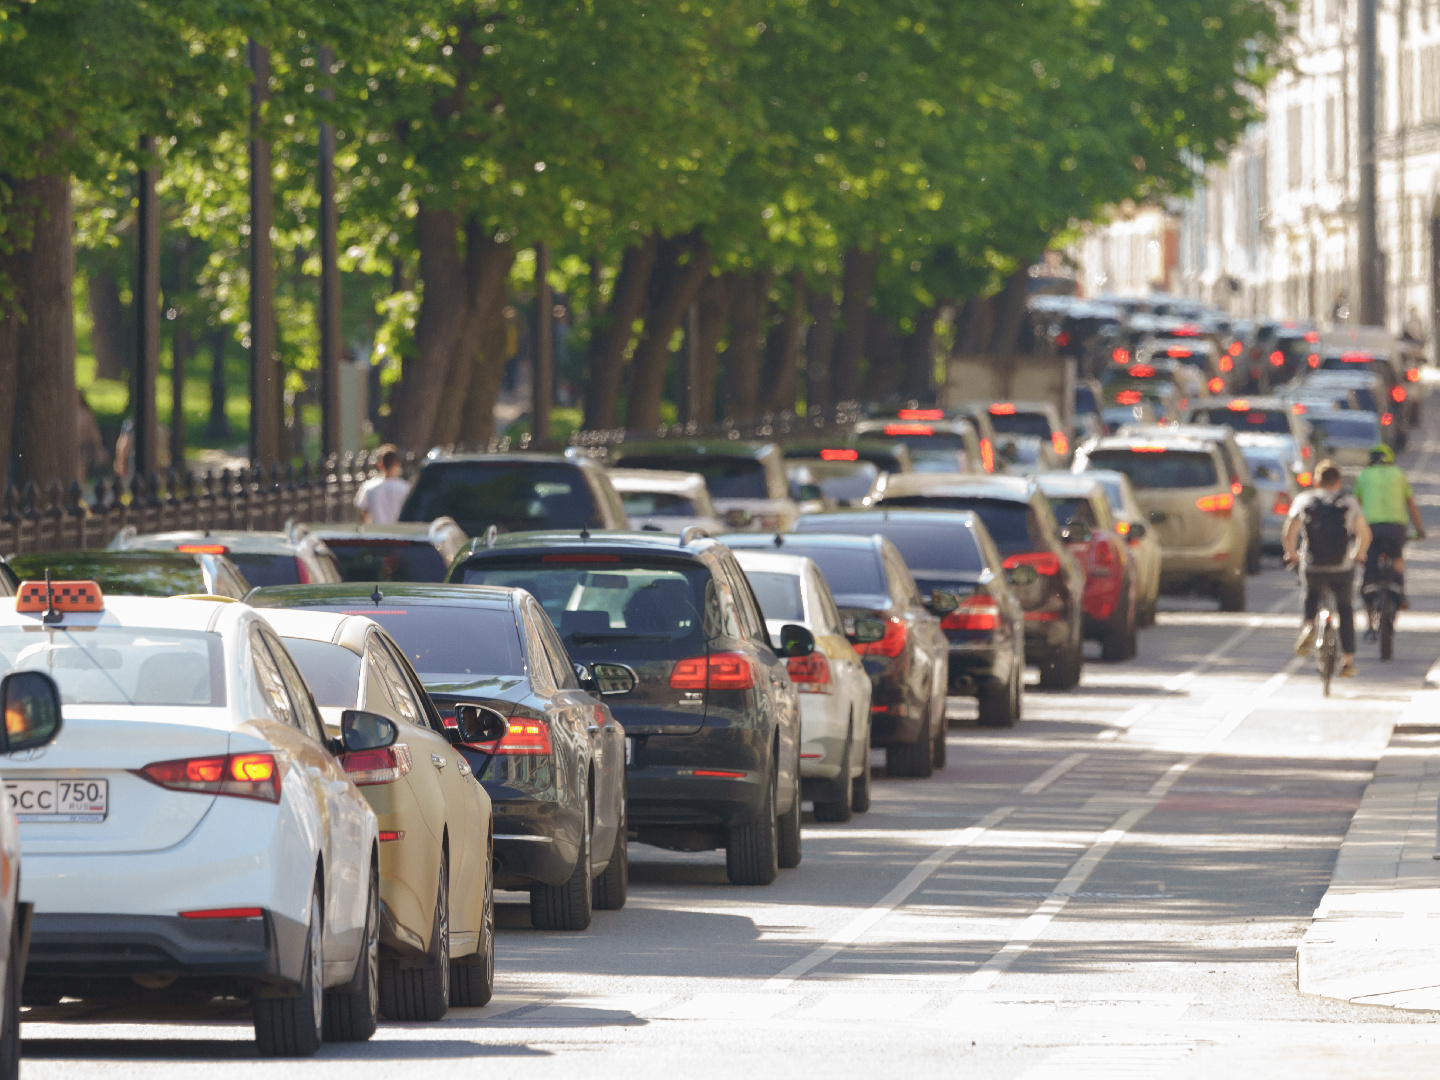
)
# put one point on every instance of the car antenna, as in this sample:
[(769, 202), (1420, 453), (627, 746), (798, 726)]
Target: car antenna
[(584, 533), (51, 614), (779, 539), (490, 534), (377, 596)]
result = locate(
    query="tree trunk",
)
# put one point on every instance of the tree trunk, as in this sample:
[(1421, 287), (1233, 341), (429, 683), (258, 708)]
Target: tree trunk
[(677, 291), (218, 426), (714, 306), (974, 326), (442, 316), (11, 316), (918, 381), (742, 360), (1010, 313), (180, 349), (45, 394), (859, 280), (487, 348), (111, 339), (612, 334), (820, 350), (782, 351), (485, 284), (882, 347)]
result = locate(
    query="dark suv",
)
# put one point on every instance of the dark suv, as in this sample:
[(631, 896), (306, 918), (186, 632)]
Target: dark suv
[(906, 661), (711, 716), (514, 492)]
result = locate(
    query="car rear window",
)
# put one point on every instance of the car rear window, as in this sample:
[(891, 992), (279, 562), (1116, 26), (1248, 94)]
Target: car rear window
[(517, 495), (726, 477), (1159, 468), (850, 481), (1346, 427), (657, 504), (122, 574), (1259, 421), (924, 545), (110, 665), (778, 593), (1066, 510), (388, 560), (1085, 401), (445, 642), (331, 671), (1011, 524), (1036, 425), (267, 569), (848, 571), (591, 601)]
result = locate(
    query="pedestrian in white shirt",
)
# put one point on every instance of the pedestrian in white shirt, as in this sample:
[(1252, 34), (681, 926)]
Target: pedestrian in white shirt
[(381, 497)]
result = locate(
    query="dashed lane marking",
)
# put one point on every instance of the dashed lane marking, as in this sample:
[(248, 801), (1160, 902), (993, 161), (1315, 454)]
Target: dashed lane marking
[(1050, 775)]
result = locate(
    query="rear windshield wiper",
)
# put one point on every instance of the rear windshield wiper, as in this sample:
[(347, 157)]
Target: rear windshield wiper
[(615, 635)]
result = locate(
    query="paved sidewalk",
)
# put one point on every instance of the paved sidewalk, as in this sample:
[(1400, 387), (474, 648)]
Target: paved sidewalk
[(1376, 935)]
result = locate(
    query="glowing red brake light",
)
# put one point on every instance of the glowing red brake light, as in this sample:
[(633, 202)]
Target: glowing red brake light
[(1239, 405), (1282, 503), (1002, 408), (1412, 374), (839, 455), (717, 671), (1235, 350), (810, 674), (383, 766), (1226, 364), (1143, 371), (1179, 354), (978, 612), (1215, 385), (1354, 358), (1236, 487), (909, 429), (921, 414), (1120, 356), (1397, 394), (523, 738), (1187, 330), (243, 776), (892, 644), (1312, 336), (1299, 408), (1277, 359), (1042, 562), (1128, 397), (1221, 503), (225, 913), (1304, 479), (1386, 419), (1063, 338), (202, 549), (1061, 444), (1313, 360), (987, 456)]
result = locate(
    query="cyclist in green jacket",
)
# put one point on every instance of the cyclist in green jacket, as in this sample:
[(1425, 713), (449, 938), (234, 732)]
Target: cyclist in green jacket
[(1389, 506)]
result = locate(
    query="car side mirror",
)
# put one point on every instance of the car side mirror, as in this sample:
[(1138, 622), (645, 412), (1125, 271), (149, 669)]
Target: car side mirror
[(738, 518), (31, 702), (361, 730), (1137, 530), (614, 679), (941, 602), (477, 724), (585, 677), (1024, 575), (796, 640), (867, 631)]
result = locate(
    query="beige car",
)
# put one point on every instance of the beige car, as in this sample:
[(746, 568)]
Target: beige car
[(1184, 488), (437, 901)]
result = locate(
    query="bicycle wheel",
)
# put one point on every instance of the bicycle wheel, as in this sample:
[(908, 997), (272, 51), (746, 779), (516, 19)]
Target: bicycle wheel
[(1387, 623), (1329, 647)]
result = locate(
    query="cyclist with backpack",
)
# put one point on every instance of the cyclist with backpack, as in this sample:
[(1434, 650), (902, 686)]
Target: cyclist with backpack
[(1327, 533), (1389, 507)]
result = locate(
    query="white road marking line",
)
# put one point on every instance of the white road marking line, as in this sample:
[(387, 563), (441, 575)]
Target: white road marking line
[(737, 1006), (852, 931), (1110, 1061), (851, 1006), (1050, 775)]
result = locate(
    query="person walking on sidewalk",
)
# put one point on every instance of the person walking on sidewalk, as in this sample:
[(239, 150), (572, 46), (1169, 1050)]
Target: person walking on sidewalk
[(1326, 533), (1389, 507), (380, 498)]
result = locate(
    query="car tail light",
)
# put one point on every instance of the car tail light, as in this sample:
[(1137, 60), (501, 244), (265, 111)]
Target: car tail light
[(387, 835), (1120, 356), (383, 766), (1221, 503), (1123, 528), (892, 644), (1063, 338), (1299, 408), (243, 776), (1061, 444), (1042, 562), (1215, 385), (909, 429), (1412, 374), (1179, 354), (1236, 487), (1313, 360), (1386, 419), (1002, 408), (810, 674), (1312, 336), (1304, 479), (717, 671), (1307, 452), (302, 572), (1282, 503), (987, 456), (1143, 371), (225, 913), (524, 738), (1128, 397), (921, 414), (1277, 359), (202, 549), (1226, 363), (839, 455), (1236, 348), (1397, 394), (1239, 405), (1104, 562), (978, 612)]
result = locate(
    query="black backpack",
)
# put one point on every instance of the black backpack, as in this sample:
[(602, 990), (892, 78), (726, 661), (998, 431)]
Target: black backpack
[(1326, 538)]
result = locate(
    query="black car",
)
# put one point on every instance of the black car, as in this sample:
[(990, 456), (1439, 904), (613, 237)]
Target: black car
[(1048, 582), (403, 551), (906, 660), (514, 492), (950, 551), (557, 779), (672, 626), (134, 573)]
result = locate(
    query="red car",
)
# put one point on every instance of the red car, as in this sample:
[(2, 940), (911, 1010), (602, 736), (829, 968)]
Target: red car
[(1089, 532)]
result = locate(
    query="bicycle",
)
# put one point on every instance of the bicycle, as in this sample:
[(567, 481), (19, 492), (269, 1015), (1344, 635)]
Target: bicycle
[(1387, 604), (1327, 631)]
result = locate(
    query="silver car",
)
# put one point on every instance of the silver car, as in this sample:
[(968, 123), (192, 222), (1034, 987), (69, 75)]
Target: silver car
[(660, 501), (1270, 459)]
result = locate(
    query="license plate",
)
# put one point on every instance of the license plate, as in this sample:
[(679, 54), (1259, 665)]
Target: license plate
[(59, 800), (629, 750)]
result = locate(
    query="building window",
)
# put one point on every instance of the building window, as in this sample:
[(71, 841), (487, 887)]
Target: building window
[(1332, 137), (1294, 145)]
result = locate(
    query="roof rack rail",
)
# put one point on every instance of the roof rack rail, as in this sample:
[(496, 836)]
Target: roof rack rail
[(691, 534)]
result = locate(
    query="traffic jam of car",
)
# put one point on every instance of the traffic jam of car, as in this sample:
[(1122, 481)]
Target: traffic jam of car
[(294, 768)]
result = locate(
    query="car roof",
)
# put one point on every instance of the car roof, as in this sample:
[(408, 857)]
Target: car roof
[(363, 594), (447, 457), (995, 487), (899, 515), (1159, 438), (1067, 483), (772, 561), (608, 540), (418, 531), (167, 612), (115, 555), (335, 627), (950, 425), (240, 540), (751, 448), (777, 541), (683, 483)]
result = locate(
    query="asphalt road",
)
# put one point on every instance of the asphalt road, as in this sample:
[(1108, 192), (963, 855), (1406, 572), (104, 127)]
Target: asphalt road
[(1115, 887)]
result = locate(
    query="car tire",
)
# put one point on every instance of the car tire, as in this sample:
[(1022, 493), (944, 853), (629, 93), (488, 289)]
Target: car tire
[(999, 704), (10, 1020), (293, 1026), (1252, 558), (472, 978), (841, 809), (860, 786), (940, 752), (613, 884), (915, 759), (788, 829), (752, 851), (352, 1012), (1063, 672), (1232, 592), (422, 993), (568, 906)]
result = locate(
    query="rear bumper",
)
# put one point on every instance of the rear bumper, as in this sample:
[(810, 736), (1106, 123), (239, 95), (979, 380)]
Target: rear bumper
[(671, 800), (534, 841)]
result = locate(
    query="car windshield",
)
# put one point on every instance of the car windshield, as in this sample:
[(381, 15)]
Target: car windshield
[(619, 600), (1348, 428), (111, 665), (1018, 450), (1085, 401), (928, 441), (1159, 468), (1114, 493), (331, 671), (516, 495), (1066, 508), (1264, 421), (387, 560), (727, 477), (1010, 522), (778, 593), (117, 573), (1034, 424), (658, 504), (849, 571), (262, 568), (844, 481), (1266, 468)]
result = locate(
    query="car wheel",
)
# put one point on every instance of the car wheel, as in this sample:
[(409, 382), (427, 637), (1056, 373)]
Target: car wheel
[(1252, 558), (1063, 672), (752, 852), (939, 754), (568, 906), (841, 808), (915, 759), (422, 991), (998, 703), (472, 978), (351, 1012), (1019, 684), (291, 1026), (10, 1020), (612, 886), (860, 786), (789, 829), (1232, 592)]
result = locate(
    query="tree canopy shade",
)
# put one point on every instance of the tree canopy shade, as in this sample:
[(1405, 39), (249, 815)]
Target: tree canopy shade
[(817, 179)]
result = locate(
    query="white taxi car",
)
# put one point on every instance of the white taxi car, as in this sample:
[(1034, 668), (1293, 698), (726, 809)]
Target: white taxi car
[(193, 827), (834, 688)]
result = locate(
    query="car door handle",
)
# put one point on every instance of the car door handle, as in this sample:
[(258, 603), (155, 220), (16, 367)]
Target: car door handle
[(438, 760), (593, 729), (608, 727)]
